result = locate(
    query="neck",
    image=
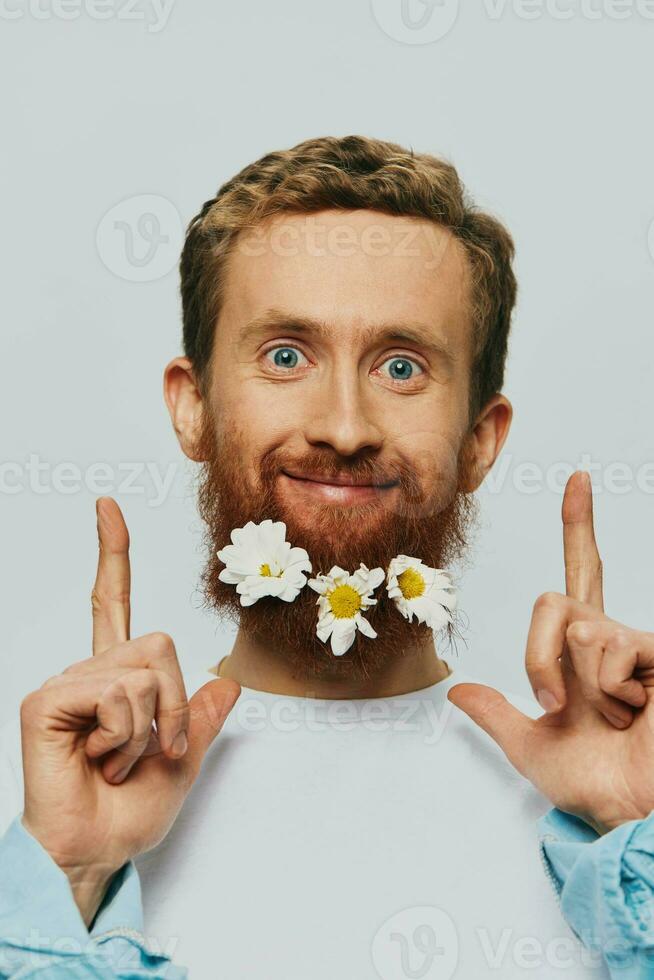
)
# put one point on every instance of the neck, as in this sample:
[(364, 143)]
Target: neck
[(260, 667)]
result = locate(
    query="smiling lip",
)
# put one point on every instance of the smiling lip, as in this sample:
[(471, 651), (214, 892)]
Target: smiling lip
[(339, 488), (339, 480)]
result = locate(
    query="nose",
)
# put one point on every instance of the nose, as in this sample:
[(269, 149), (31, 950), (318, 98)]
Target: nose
[(343, 418)]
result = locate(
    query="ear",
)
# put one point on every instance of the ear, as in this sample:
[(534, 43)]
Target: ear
[(487, 438), (185, 405)]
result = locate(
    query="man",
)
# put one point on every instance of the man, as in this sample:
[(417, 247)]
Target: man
[(346, 315)]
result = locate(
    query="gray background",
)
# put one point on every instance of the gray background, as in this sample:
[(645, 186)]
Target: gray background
[(545, 110)]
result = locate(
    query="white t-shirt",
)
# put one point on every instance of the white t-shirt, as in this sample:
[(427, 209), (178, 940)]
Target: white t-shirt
[(351, 840)]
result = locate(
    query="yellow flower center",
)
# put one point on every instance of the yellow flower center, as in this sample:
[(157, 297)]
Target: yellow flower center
[(265, 570), (345, 601), (411, 583)]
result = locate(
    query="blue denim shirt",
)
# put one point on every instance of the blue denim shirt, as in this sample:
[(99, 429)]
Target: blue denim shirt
[(43, 934), (605, 886)]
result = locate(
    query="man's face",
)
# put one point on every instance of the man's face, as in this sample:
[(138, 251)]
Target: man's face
[(357, 386), (338, 403)]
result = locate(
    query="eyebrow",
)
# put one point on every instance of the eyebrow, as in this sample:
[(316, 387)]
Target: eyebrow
[(418, 334)]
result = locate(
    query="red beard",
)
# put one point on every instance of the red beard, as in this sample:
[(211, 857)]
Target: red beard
[(432, 528)]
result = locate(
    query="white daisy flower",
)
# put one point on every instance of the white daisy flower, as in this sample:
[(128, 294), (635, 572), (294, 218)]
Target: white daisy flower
[(418, 589), (342, 600), (260, 561)]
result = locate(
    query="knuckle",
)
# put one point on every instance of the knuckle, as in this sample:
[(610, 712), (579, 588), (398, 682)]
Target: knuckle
[(108, 655), (74, 667), (141, 682), (177, 712), (114, 694), (100, 598), (619, 639), (51, 682), (548, 600), (141, 734), (489, 709), (112, 734), (535, 662), (161, 644), (611, 685), (31, 707), (581, 632)]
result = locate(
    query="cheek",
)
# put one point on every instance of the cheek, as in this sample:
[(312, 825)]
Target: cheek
[(429, 434), (247, 429)]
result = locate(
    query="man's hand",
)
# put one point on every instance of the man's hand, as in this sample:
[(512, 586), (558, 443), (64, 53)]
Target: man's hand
[(101, 785), (592, 753)]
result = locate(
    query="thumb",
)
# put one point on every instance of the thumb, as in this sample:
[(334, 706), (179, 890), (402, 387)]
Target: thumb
[(208, 709), (490, 710)]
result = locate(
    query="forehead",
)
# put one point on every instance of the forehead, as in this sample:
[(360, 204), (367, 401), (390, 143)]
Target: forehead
[(351, 269)]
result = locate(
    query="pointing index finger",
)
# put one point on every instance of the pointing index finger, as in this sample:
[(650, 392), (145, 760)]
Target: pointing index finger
[(110, 598), (583, 565)]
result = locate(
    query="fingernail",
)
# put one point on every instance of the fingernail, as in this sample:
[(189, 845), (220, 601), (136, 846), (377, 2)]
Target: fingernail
[(617, 721), (180, 744), (547, 700), (120, 775)]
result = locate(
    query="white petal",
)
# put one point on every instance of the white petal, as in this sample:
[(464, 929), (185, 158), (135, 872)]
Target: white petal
[(431, 613), (398, 565), (324, 630), (239, 559), (245, 566), (376, 577), (298, 557), (231, 553), (291, 587), (268, 585), (327, 617), (296, 580), (405, 607), (230, 577), (343, 637), (447, 599), (244, 536), (365, 626), (360, 580), (290, 593), (271, 536)]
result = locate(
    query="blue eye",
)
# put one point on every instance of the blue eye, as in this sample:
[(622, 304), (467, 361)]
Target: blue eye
[(402, 368), (286, 357)]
